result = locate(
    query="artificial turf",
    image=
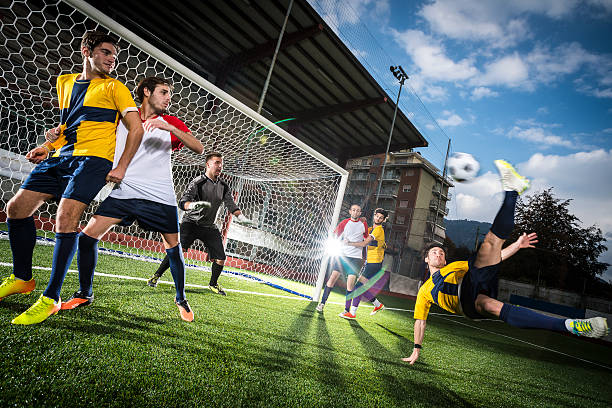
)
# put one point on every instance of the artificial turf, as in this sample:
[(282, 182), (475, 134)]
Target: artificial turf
[(130, 348)]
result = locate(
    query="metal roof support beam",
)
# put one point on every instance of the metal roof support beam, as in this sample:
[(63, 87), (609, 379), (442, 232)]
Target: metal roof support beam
[(333, 110)]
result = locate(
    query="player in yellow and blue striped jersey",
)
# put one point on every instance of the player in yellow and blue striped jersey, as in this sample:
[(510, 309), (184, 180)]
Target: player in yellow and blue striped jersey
[(470, 287)]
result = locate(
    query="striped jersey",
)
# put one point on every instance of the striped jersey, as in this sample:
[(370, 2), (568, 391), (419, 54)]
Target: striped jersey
[(376, 248), (442, 288), (89, 114)]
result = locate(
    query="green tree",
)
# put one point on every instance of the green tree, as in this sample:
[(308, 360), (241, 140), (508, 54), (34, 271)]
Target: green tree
[(566, 255)]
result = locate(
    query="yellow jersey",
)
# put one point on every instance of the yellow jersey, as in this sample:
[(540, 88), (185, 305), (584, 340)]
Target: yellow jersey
[(377, 253), (89, 114), (442, 288)]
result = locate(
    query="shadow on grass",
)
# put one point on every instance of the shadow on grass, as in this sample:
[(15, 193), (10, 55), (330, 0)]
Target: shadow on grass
[(399, 390)]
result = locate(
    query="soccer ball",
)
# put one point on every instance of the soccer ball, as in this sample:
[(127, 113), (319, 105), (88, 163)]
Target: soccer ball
[(463, 167)]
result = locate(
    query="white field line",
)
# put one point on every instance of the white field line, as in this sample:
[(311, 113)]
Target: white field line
[(444, 316)]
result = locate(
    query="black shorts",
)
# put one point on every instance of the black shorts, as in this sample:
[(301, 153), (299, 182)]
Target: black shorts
[(347, 266), (371, 269), (475, 282), (151, 216), (76, 177), (210, 236)]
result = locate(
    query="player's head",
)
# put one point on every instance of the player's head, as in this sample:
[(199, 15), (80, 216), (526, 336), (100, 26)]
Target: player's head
[(435, 255), (355, 211), (380, 215), (214, 164), (155, 92), (99, 51)]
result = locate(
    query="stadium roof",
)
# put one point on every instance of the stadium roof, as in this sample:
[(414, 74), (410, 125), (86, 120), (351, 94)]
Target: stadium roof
[(339, 109)]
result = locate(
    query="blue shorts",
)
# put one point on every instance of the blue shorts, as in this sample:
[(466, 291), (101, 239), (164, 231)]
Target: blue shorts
[(76, 177), (371, 269), (475, 282), (347, 266), (151, 216)]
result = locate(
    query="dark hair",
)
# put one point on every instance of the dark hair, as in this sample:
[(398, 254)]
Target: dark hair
[(92, 39), (432, 245), (150, 83), (382, 211), (211, 155)]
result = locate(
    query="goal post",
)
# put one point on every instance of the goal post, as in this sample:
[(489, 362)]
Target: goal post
[(292, 192)]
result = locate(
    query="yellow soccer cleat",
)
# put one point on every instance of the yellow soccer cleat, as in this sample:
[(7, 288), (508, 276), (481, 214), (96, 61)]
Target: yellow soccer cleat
[(39, 311), (11, 285), (511, 180)]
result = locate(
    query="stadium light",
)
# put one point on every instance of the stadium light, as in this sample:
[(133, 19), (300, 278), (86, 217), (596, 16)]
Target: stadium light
[(398, 72)]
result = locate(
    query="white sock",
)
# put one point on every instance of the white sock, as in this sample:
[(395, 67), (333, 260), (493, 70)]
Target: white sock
[(353, 310), (567, 324), (376, 303)]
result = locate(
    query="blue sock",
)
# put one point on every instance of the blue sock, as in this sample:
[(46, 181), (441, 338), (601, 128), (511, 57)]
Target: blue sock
[(177, 269), (349, 299), (65, 247), (528, 319), (504, 220), (326, 292), (87, 259), (22, 237)]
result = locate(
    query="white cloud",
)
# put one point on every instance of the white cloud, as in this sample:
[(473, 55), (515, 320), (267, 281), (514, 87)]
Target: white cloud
[(543, 110), (500, 23), (510, 71), (608, 130), (540, 136), (452, 119), (482, 92), (431, 59), (583, 177)]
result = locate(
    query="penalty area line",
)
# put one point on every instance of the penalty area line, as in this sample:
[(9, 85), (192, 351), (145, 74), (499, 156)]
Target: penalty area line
[(190, 285)]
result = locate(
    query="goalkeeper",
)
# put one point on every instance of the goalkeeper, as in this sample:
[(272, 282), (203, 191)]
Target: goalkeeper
[(201, 201)]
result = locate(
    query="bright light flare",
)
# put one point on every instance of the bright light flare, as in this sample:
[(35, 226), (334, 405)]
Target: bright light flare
[(333, 246)]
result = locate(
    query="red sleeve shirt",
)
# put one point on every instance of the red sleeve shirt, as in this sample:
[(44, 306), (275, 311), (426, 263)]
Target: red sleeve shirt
[(180, 125)]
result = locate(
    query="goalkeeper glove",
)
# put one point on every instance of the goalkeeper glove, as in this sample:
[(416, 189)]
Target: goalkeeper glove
[(198, 205), (245, 221)]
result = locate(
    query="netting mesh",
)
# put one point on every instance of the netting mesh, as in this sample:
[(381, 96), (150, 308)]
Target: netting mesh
[(289, 193)]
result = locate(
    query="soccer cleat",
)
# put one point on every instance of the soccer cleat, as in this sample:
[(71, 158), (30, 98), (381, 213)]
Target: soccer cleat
[(320, 307), (217, 289), (511, 180), (184, 310), (347, 315), (39, 311), (153, 281), (377, 309), (11, 285), (77, 300), (594, 327)]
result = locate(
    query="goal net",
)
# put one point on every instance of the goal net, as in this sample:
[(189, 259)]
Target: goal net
[(290, 191)]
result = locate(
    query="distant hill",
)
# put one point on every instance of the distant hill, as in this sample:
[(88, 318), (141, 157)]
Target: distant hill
[(463, 232)]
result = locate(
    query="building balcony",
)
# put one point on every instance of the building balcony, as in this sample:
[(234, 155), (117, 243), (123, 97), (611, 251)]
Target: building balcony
[(387, 195), (445, 196), (437, 223), (391, 179), (359, 178), (360, 166), (433, 204)]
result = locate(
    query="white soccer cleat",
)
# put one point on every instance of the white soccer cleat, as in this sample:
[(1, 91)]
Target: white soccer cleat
[(320, 307), (594, 327), (511, 180)]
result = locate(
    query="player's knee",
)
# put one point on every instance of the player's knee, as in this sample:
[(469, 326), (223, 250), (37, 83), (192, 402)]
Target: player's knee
[(65, 222), (220, 262)]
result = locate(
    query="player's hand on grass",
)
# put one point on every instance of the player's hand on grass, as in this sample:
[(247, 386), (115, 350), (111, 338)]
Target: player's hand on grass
[(37, 154), (52, 135), (116, 175), (527, 241), (245, 221), (198, 205), (413, 357)]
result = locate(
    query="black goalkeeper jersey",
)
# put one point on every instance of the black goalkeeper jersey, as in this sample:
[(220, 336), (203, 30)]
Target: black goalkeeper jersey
[(203, 188)]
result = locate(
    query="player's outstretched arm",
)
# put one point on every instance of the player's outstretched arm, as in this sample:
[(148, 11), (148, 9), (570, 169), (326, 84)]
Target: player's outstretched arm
[(132, 122), (361, 244), (189, 140), (419, 334), (523, 241)]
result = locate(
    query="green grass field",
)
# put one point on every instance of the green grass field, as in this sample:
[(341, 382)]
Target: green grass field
[(130, 348)]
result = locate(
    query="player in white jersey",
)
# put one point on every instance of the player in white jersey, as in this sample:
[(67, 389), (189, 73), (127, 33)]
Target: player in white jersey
[(350, 261), (146, 193)]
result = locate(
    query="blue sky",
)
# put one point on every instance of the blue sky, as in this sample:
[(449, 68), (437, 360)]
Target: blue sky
[(527, 81)]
